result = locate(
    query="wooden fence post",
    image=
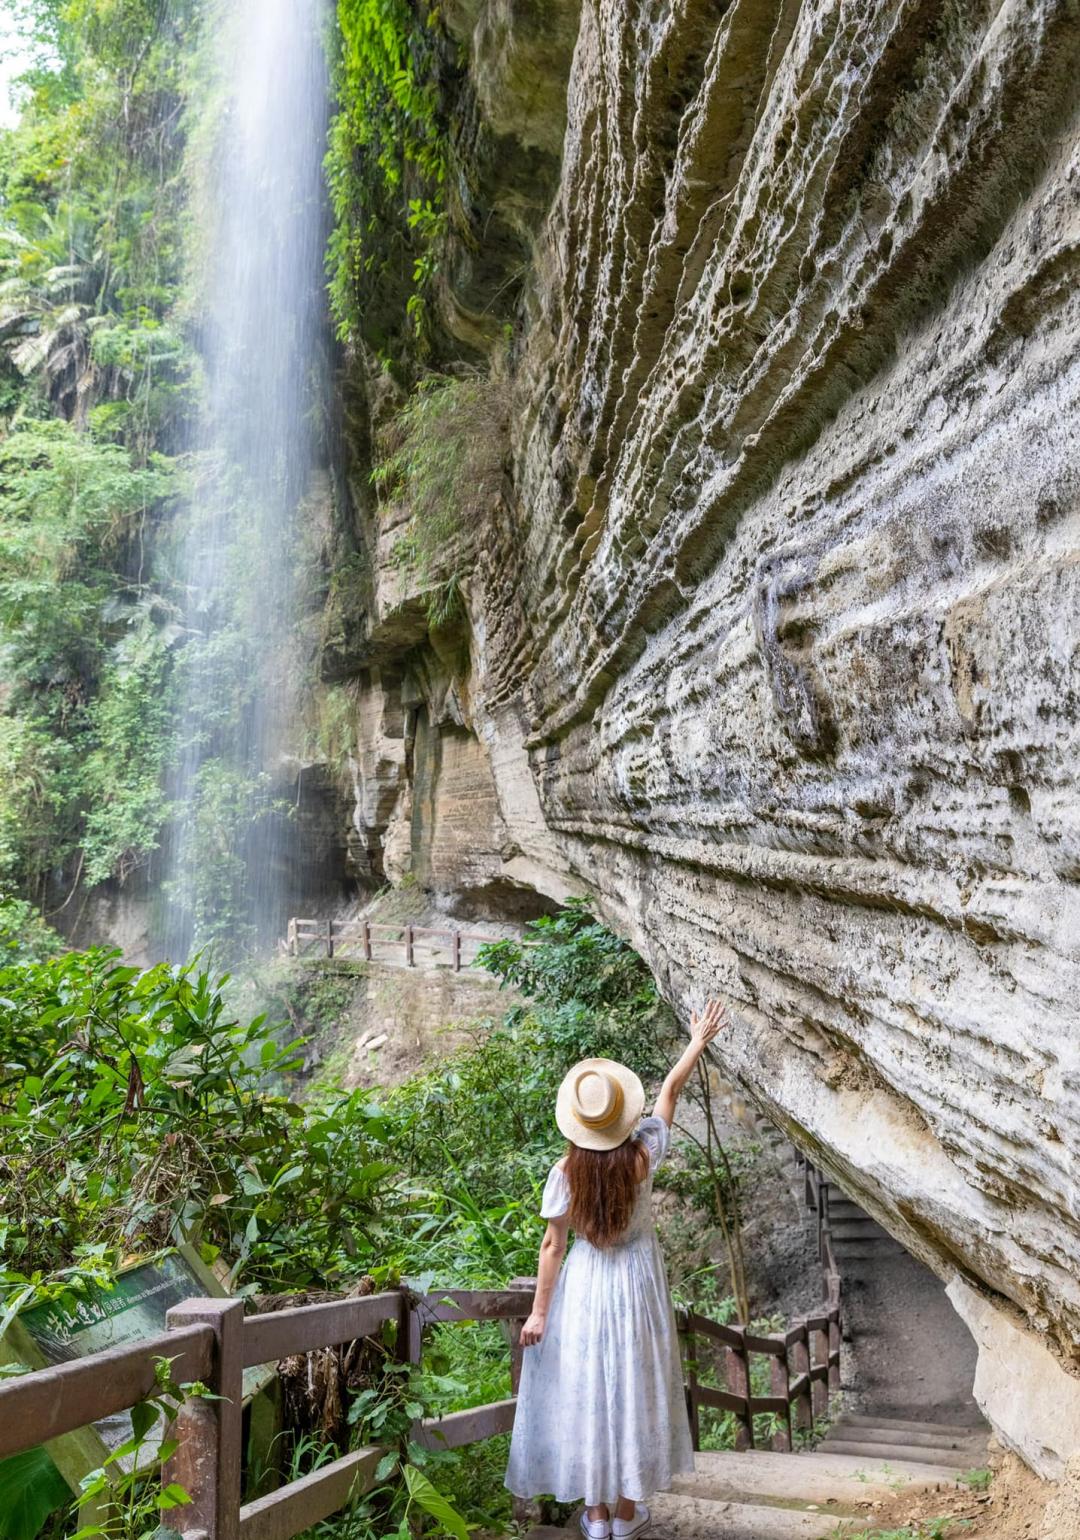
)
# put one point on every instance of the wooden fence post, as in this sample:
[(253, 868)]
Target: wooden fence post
[(409, 959), (834, 1349), (210, 1433), (329, 938), (690, 1360), (800, 1365), (781, 1439), (410, 1337), (819, 1357), (455, 945), (737, 1367), (367, 940), (293, 942)]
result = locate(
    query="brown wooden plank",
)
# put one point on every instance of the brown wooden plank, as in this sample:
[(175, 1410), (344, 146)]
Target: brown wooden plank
[(775, 1347), (731, 1336), (722, 1400), (50, 1402), (737, 1374), (280, 1333), (296, 1507), (776, 1404), (817, 1323), (467, 1427), (473, 1305), (780, 1388)]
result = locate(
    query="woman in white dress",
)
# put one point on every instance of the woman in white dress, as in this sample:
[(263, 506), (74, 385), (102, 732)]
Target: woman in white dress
[(601, 1412)]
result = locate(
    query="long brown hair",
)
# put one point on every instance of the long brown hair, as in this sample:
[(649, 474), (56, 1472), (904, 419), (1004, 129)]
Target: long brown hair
[(603, 1187)]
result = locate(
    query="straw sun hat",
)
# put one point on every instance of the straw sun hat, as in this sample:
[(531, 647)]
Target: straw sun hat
[(599, 1104)]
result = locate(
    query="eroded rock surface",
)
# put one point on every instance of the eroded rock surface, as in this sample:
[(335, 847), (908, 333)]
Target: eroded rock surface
[(773, 642)]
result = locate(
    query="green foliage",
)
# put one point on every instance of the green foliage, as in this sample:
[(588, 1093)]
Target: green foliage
[(128, 1483), (137, 1114), (978, 1480), (31, 1488), (387, 161), (441, 460), (94, 387), (24, 935), (86, 718)]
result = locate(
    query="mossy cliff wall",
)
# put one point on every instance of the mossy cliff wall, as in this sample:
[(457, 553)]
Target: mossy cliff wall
[(770, 637)]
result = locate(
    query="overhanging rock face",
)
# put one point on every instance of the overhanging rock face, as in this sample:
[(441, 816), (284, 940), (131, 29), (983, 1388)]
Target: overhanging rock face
[(779, 652)]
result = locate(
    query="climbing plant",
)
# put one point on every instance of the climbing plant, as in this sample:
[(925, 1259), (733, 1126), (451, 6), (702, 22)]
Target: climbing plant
[(387, 160)]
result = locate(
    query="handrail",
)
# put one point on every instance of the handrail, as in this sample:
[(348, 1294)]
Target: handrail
[(213, 1341), (332, 934), (804, 1360), (51, 1402)]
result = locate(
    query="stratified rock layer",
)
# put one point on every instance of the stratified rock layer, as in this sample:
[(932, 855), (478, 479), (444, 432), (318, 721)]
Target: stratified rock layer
[(775, 646)]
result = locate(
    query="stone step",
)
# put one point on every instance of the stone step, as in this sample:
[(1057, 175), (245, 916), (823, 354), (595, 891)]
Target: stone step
[(857, 1249), (695, 1518), (767, 1477), (909, 1434), (765, 1495), (902, 1424), (956, 1459)]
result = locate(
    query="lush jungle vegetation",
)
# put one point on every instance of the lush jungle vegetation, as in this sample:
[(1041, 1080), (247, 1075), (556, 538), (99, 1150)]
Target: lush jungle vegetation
[(95, 382), (138, 1112)]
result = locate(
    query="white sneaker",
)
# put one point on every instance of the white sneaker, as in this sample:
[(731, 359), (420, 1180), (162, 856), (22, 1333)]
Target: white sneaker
[(595, 1529), (625, 1529)]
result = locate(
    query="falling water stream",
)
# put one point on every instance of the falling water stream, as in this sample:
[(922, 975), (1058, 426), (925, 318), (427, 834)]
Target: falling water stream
[(260, 213)]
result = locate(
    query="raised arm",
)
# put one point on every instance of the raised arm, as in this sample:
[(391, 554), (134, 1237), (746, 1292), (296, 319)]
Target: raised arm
[(703, 1029)]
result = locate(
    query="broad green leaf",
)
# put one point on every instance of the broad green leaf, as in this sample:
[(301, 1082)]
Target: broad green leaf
[(31, 1488), (433, 1502)]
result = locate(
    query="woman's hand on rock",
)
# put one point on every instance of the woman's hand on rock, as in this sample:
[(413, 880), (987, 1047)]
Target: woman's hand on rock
[(709, 1024), (533, 1330)]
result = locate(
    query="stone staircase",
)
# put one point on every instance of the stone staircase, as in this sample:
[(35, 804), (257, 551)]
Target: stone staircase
[(855, 1236), (903, 1441), (762, 1495)]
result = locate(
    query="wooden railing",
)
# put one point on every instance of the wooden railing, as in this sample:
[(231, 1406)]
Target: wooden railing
[(212, 1340), (804, 1361), (373, 941), (816, 1191), (804, 1367)]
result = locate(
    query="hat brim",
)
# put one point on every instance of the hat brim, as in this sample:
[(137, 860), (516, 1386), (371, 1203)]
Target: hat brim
[(633, 1105)]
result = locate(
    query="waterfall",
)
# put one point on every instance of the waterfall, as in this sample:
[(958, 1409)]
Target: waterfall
[(260, 218)]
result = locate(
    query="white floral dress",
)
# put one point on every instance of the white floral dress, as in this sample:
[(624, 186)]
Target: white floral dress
[(601, 1411)]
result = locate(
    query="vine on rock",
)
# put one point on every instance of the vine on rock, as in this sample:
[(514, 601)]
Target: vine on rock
[(387, 162)]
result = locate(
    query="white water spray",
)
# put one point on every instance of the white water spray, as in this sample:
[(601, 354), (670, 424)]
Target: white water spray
[(261, 295)]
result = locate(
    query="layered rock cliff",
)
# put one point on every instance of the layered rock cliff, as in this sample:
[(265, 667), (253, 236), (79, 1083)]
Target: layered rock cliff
[(770, 636)]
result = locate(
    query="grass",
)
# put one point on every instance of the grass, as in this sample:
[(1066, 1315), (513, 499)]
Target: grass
[(978, 1479)]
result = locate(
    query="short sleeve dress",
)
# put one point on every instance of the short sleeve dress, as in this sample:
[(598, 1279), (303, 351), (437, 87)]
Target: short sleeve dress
[(601, 1411)]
